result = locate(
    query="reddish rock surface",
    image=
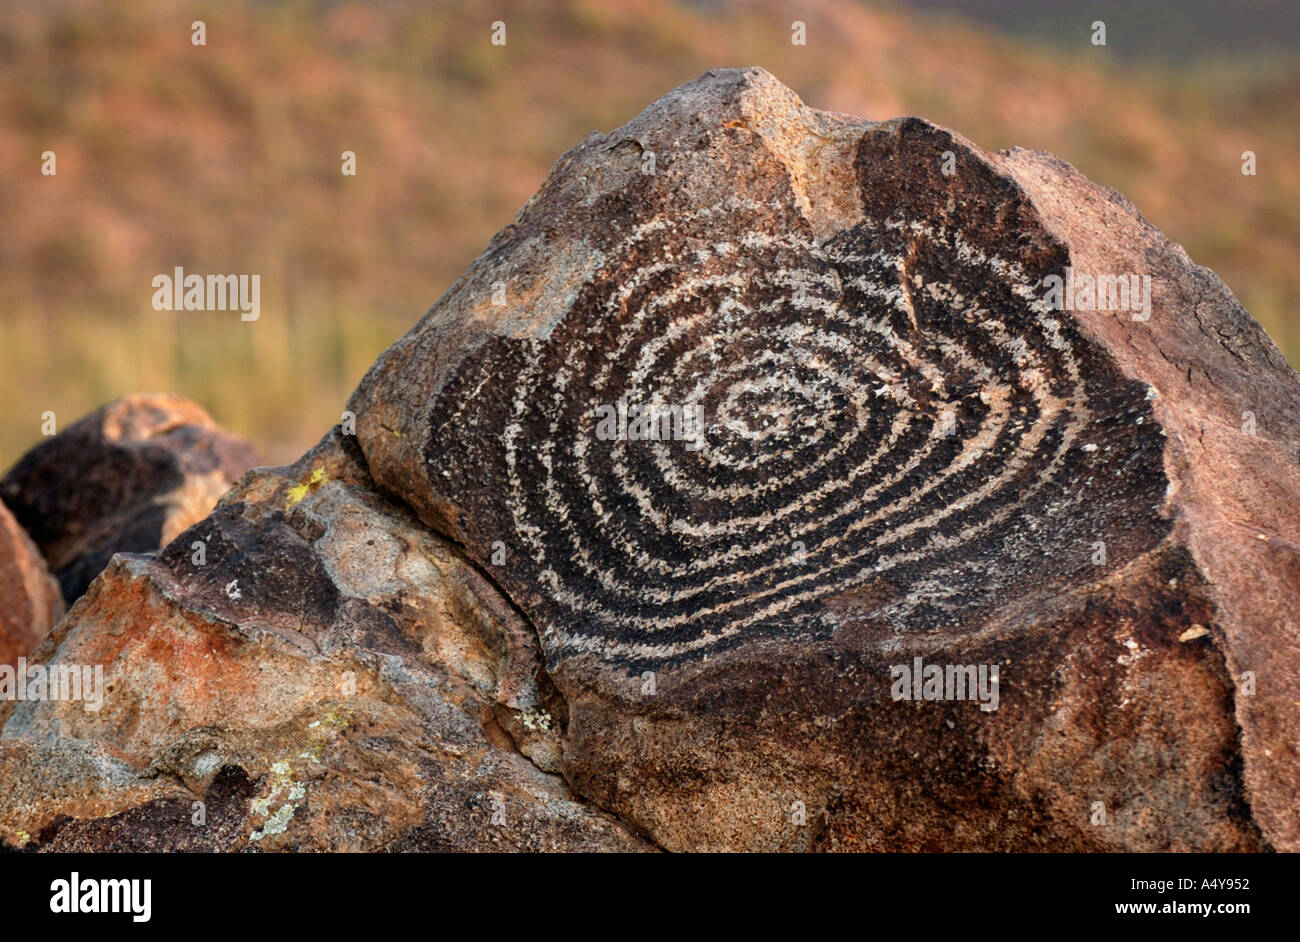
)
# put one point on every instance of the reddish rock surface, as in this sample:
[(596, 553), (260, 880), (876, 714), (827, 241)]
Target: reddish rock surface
[(315, 668), (125, 479), (30, 603), (487, 622)]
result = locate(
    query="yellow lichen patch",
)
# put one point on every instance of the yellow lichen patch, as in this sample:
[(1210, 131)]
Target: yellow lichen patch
[(299, 491), (337, 719), (539, 720)]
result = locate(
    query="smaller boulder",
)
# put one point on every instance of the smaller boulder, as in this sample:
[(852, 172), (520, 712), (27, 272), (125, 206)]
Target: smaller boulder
[(125, 479), (30, 603)]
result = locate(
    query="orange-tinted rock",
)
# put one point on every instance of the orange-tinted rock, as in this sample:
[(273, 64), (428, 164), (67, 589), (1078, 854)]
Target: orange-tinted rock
[(125, 479), (306, 669), (30, 603)]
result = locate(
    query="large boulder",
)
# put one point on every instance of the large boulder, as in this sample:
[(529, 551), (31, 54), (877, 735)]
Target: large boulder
[(125, 479), (911, 448), (30, 602), (893, 435)]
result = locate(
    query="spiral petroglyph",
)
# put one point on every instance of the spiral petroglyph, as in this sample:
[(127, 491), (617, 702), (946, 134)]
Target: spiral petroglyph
[(891, 409), (899, 433)]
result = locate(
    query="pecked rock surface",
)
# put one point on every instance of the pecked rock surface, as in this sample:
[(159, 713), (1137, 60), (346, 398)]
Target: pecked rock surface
[(125, 479), (30, 603), (906, 454)]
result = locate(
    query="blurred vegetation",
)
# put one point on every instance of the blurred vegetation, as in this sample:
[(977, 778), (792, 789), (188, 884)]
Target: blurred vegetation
[(225, 158)]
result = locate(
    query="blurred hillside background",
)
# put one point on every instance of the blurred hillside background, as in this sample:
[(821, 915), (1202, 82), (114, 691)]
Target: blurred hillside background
[(226, 158)]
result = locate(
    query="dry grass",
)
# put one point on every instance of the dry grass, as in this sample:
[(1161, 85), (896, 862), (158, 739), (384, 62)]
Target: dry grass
[(225, 158)]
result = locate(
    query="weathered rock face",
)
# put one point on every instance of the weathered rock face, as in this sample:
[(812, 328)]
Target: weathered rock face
[(908, 449), (882, 449), (125, 479), (318, 670), (30, 603)]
